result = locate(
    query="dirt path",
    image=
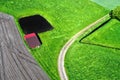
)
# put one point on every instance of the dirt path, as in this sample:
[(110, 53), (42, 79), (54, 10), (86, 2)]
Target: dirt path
[(16, 63), (64, 49)]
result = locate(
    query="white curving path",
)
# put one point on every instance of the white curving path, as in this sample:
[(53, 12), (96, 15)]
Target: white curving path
[(61, 68)]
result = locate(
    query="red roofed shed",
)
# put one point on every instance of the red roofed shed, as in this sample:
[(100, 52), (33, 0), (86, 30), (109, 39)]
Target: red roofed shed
[(32, 40)]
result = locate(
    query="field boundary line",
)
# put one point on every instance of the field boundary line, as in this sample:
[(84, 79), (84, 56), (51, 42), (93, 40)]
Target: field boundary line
[(101, 45)]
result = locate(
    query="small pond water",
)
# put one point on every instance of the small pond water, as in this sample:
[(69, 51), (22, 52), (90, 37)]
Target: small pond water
[(109, 4), (35, 23)]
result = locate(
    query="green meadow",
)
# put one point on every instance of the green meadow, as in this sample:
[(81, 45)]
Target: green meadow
[(67, 17), (109, 4), (107, 35), (89, 62), (85, 61), (101, 61)]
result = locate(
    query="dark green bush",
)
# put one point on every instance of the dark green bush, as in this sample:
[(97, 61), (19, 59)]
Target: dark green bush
[(115, 13)]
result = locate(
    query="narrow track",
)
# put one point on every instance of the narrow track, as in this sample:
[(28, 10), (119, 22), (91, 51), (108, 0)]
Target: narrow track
[(16, 63), (63, 51)]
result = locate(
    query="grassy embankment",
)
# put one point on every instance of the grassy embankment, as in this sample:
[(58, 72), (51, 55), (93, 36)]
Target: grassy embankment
[(108, 35), (67, 18)]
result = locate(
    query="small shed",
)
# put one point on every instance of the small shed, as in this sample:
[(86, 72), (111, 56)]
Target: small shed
[(32, 40)]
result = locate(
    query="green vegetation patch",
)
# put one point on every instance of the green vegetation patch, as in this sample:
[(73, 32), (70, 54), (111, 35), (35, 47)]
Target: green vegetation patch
[(109, 4), (89, 62), (107, 35), (67, 18), (116, 13)]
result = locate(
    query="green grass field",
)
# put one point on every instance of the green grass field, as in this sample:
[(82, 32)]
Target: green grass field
[(109, 4), (108, 35), (67, 18), (88, 62), (94, 62)]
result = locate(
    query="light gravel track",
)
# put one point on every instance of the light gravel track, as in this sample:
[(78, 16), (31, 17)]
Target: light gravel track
[(61, 58), (16, 63)]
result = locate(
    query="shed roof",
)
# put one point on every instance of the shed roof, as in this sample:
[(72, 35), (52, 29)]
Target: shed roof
[(32, 40)]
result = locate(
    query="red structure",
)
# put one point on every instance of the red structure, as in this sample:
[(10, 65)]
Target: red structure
[(32, 40)]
